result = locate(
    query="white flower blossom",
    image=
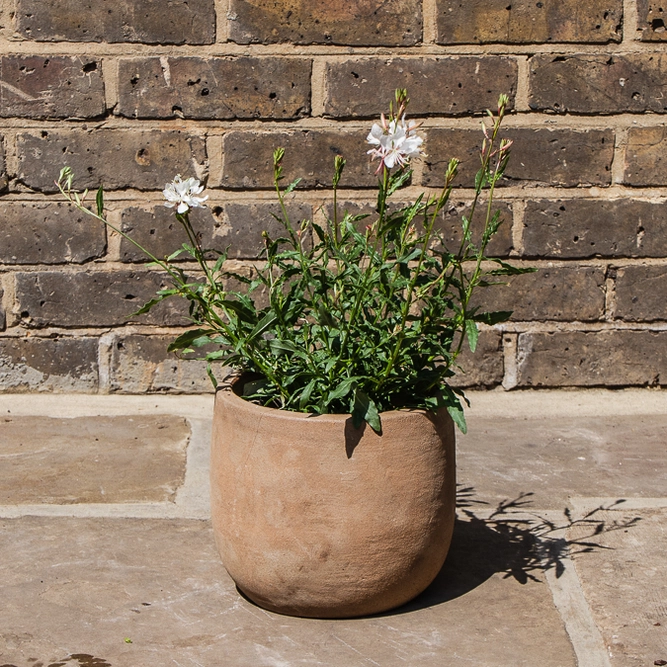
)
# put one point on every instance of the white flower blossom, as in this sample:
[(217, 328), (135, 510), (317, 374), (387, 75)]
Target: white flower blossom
[(183, 193), (394, 142)]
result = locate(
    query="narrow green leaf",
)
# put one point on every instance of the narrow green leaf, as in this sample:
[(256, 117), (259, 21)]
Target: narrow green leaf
[(306, 393), (99, 199), (209, 372), (279, 347), (291, 186), (342, 390), (148, 305), (473, 334), (458, 417), (186, 339), (262, 325), (493, 318), (366, 410)]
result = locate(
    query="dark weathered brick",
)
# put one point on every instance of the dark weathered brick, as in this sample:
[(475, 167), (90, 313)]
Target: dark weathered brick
[(96, 299), (141, 364), (363, 87), (309, 155), (46, 233), (595, 358), (238, 226), (484, 367), (640, 293), (651, 20), (528, 22), (560, 294), (566, 158), (3, 321), (450, 226), (448, 223), (51, 87), (212, 88), (48, 364), (604, 84), (117, 159), (368, 23), (147, 21), (646, 156), (579, 228)]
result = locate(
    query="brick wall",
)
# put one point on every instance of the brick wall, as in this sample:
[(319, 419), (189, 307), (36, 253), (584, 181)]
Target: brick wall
[(130, 92)]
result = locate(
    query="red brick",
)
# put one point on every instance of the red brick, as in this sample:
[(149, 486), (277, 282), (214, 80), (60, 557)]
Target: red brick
[(640, 293), (147, 21), (46, 233), (599, 84), (566, 158), (367, 23), (459, 85), (528, 22), (238, 226), (645, 156), (580, 228), (593, 358), (94, 299), (651, 20), (143, 159), (214, 88), (51, 87), (48, 364), (559, 294), (309, 155)]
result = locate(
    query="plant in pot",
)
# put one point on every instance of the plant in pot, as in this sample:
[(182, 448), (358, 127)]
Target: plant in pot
[(333, 464)]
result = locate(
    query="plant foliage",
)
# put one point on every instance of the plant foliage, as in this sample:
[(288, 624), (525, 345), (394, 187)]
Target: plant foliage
[(361, 315)]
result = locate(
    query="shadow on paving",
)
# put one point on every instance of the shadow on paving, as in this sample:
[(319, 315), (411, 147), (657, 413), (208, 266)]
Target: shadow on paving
[(511, 541), (82, 660)]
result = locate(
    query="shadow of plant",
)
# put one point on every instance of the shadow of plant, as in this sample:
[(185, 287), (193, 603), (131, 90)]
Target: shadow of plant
[(513, 541)]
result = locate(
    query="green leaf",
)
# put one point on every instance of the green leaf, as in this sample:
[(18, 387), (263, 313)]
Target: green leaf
[(509, 270), (342, 390), (458, 417), (481, 178), (291, 186), (473, 334), (493, 318), (279, 347), (186, 339), (366, 410), (262, 325), (149, 304), (209, 372), (100, 201), (306, 393)]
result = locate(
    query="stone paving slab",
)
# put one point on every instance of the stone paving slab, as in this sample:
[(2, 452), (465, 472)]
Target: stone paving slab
[(625, 583), (115, 459), (553, 458), (83, 586)]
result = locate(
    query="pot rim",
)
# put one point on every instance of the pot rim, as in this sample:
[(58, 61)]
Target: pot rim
[(230, 393)]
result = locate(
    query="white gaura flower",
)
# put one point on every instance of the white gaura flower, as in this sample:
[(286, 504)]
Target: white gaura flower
[(395, 142), (184, 193)]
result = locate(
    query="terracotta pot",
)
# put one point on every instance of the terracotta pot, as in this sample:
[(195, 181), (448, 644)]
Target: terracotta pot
[(313, 517)]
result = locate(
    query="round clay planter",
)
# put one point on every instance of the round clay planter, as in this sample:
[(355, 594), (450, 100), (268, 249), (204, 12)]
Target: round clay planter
[(313, 517)]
